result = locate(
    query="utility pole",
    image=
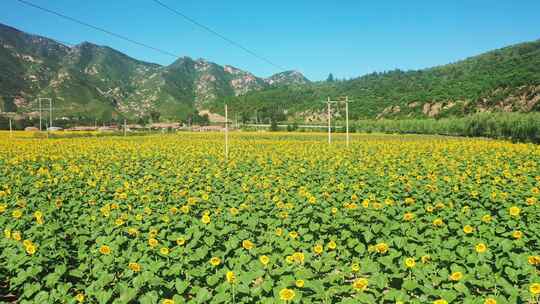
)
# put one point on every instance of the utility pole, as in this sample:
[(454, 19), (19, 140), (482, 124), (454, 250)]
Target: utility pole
[(329, 115), (41, 110), (40, 114), (125, 127), (226, 134), (328, 102), (10, 128), (329, 118), (50, 113), (347, 118)]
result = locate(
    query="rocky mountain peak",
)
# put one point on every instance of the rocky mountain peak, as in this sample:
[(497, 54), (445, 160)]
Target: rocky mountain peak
[(287, 78), (110, 81)]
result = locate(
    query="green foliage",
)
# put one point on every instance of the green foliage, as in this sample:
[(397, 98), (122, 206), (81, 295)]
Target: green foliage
[(330, 78), (143, 219), (293, 127), (273, 125), (515, 126), (493, 76), (89, 81)]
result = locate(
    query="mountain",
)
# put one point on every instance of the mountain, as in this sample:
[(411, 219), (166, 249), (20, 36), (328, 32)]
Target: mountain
[(287, 78), (506, 79), (89, 81)]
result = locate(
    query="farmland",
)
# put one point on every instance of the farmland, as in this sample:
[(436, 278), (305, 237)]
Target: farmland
[(287, 218)]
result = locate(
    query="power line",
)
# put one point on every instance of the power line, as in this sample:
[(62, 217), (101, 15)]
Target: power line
[(65, 43), (208, 29), (98, 28), (119, 36)]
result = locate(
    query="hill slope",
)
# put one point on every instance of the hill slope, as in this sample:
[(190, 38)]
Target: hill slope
[(90, 82), (507, 79)]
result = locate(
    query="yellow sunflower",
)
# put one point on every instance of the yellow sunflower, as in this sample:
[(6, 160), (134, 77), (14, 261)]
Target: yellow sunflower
[(286, 294)]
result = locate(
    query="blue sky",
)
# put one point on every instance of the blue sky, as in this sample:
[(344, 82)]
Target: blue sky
[(347, 38)]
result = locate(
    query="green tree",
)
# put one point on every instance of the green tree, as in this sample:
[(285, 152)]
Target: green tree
[(155, 115), (330, 78), (273, 124)]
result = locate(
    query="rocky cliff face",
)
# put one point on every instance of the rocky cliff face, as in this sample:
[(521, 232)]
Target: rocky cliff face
[(287, 78), (94, 81), (521, 99)]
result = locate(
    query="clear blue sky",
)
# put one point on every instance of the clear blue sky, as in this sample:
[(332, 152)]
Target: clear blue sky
[(346, 37)]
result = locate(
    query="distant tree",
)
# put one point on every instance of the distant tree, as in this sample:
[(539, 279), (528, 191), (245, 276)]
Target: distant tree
[(245, 117), (4, 123), (330, 78), (143, 120), (106, 115), (7, 105), (205, 120), (273, 125), (197, 119), (154, 115), (293, 127)]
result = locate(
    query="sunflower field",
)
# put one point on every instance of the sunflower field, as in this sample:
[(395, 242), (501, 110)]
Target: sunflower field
[(285, 219)]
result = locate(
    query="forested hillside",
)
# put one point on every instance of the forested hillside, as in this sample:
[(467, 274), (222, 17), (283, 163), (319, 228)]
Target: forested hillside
[(89, 82), (506, 80)]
